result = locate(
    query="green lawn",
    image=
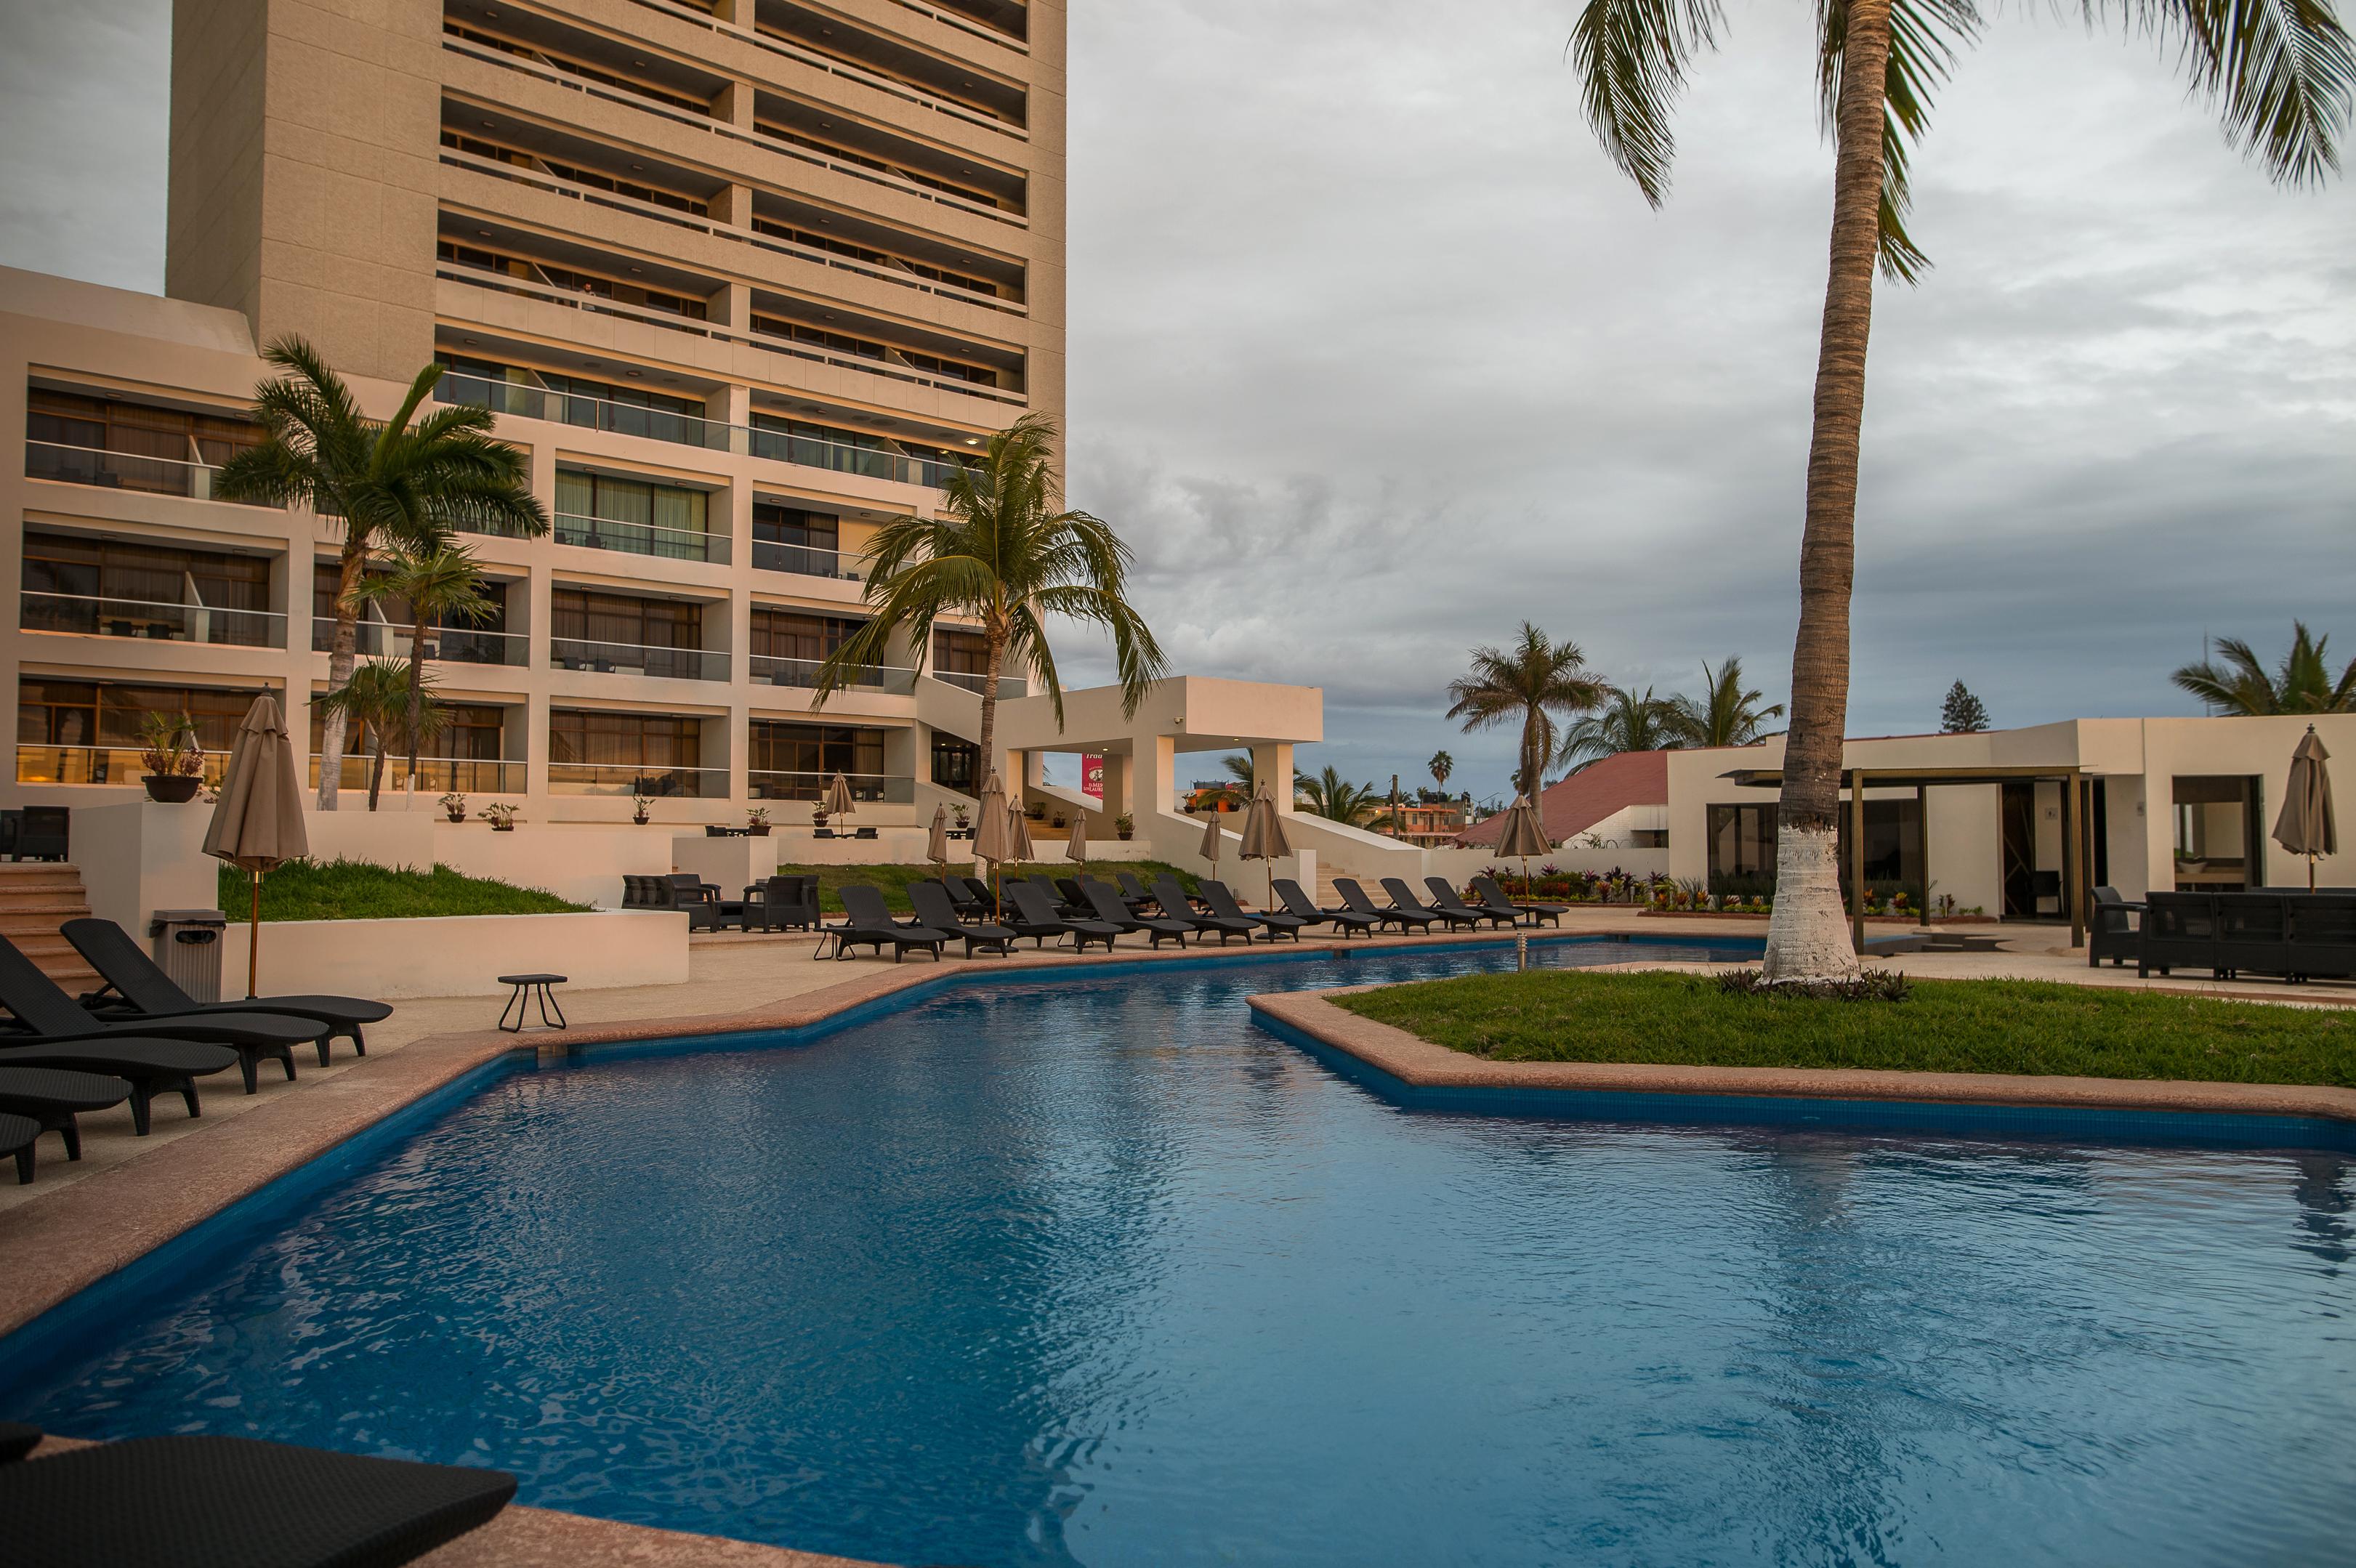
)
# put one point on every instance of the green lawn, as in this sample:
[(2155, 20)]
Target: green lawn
[(894, 880), (354, 889), (1943, 1025)]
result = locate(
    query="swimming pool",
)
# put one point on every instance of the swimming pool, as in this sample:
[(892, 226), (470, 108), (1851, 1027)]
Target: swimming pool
[(1053, 1270)]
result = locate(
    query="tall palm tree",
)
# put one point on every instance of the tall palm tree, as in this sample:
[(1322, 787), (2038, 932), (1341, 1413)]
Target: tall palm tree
[(377, 698), (1625, 722), (1725, 714), (385, 482), (1334, 798), (1529, 684), (1440, 766), (441, 585), (2303, 683), (1007, 553), (2281, 73)]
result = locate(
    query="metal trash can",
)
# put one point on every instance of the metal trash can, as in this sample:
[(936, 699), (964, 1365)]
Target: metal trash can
[(187, 944)]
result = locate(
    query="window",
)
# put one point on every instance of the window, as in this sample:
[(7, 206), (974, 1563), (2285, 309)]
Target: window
[(596, 179), (549, 273), (672, 510), (817, 749), (91, 713), (469, 732), (580, 615), (776, 523), (960, 653), (626, 739), (955, 763), (1741, 850), (327, 576), (2218, 844), (796, 635), (149, 574)]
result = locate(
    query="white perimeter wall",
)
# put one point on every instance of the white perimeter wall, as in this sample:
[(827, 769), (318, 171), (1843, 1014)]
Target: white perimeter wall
[(462, 955)]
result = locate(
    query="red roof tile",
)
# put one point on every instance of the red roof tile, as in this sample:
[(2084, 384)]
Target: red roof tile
[(1587, 796)]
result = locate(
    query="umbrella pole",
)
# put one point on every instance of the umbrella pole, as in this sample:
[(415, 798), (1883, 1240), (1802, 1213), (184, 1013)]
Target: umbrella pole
[(254, 936)]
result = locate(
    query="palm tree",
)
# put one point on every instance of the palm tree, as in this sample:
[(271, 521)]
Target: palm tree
[(1331, 797), (384, 481), (2302, 684), (1440, 766), (377, 698), (1626, 722), (2281, 74), (1725, 714), (442, 586), (1006, 553), (1529, 683), (1238, 766)]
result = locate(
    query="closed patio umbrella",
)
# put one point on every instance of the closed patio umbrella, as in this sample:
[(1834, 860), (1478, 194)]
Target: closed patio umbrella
[(1523, 835), (1018, 834), (1265, 838), (2306, 826), (1211, 835), (838, 798), (259, 823), (937, 842), (989, 827), (1077, 849)]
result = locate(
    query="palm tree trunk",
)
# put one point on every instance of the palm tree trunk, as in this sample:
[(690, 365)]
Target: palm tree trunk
[(339, 674), (416, 695), (1807, 936), (993, 660), (376, 766)]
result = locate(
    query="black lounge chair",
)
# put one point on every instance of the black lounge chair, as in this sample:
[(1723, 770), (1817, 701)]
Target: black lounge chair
[(1220, 900), (48, 1016), (1035, 916), (973, 897), (1345, 922), (146, 990), (1490, 893), (934, 909), (868, 923), (1172, 899), (1403, 900), (1444, 900), (1138, 894), (1107, 902), (18, 1136), (54, 1096), (150, 1066), (232, 1502), (1355, 898)]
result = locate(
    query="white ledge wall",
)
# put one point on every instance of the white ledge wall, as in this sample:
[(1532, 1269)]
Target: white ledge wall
[(459, 955)]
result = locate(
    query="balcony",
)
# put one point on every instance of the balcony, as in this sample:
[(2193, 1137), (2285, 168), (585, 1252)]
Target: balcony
[(654, 780), (803, 673), (638, 658), (450, 645), (803, 560), (437, 775), (876, 788), (1009, 686), (118, 470), (44, 764), (90, 616), (642, 538)]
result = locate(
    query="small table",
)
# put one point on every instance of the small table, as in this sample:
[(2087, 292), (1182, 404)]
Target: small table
[(525, 985)]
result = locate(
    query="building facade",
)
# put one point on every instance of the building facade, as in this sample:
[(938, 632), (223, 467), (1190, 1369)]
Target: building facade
[(743, 279)]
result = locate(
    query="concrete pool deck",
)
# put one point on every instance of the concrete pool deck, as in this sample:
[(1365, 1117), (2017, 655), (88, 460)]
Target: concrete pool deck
[(82, 1222)]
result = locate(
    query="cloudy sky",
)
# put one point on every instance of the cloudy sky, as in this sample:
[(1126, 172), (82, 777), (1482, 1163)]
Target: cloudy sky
[(1375, 356)]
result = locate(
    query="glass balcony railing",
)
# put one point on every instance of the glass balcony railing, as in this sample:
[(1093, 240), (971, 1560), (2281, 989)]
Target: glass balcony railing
[(803, 673), (1008, 684), (641, 538), (437, 775), (654, 780), (638, 658), (37, 763), (805, 560), (882, 788), (118, 470), (450, 645), (842, 457), (91, 615)]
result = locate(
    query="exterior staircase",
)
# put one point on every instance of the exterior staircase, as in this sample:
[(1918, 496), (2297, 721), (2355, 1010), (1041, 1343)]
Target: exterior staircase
[(36, 898)]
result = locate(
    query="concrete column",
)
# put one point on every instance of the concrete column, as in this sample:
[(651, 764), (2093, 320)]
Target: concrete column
[(733, 105), (737, 14), (731, 306), (1160, 793), (733, 205), (537, 594), (1272, 766)]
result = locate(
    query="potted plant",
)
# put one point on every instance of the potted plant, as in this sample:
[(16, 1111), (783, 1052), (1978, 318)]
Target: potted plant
[(1124, 826), (756, 822), (638, 813), (175, 764), (1060, 821), (960, 815), (453, 807), (1036, 811), (817, 814), (501, 817)]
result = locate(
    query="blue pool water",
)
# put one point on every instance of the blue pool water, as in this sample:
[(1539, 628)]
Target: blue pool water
[(1095, 1272)]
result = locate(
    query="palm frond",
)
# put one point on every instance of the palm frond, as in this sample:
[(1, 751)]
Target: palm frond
[(1924, 37), (1632, 57), (2281, 73)]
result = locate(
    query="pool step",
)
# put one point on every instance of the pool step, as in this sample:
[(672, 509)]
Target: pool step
[(36, 899)]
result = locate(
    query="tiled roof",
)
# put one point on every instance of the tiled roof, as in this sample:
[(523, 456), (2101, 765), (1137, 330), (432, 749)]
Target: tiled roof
[(1590, 794)]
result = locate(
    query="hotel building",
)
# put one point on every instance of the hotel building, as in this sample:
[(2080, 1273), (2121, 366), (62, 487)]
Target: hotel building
[(741, 277)]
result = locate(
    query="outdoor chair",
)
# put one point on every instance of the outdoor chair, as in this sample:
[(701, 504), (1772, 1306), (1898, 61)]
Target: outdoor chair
[(220, 1500), (2112, 933), (702, 901), (1492, 895), (2178, 929), (1035, 916), (17, 1136), (52, 1097), (1298, 904), (934, 909), (868, 923), (975, 901), (1354, 899), (2323, 935), (1220, 900), (2253, 934), (149, 1066), (47, 1015), (1444, 900), (143, 991), (1106, 902), (1138, 894), (1172, 899), (784, 904)]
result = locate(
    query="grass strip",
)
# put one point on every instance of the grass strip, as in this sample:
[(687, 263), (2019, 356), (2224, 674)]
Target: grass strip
[(894, 880), (355, 890)]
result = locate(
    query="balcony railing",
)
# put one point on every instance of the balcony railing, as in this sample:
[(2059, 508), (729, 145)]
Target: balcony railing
[(641, 538), (1008, 684), (842, 457), (803, 673), (638, 658), (118, 470), (95, 616), (882, 788), (450, 645), (45, 764), (651, 778), (436, 776), (803, 559)]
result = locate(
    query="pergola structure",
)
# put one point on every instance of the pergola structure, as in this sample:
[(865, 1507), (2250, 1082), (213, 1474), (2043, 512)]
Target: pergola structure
[(2077, 843)]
